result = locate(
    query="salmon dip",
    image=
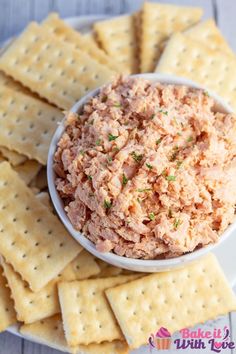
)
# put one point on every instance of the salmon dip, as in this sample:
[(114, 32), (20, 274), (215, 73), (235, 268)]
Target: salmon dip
[(148, 170)]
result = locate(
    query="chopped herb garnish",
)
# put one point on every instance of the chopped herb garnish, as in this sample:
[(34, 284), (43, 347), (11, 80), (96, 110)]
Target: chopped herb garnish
[(116, 149), (170, 214), (158, 141), (171, 178), (124, 179), (112, 137), (104, 99), (136, 157), (149, 166), (82, 152), (90, 177), (144, 190), (117, 105), (139, 200), (205, 93), (178, 164), (152, 116), (164, 112), (190, 139), (109, 159), (179, 133), (107, 204), (152, 216), (98, 142), (177, 222)]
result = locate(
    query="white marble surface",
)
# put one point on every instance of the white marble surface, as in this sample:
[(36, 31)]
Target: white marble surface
[(14, 16)]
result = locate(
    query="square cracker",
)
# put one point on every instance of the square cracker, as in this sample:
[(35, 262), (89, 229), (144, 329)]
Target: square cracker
[(208, 33), (31, 306), (67, 34), (175, 300), (32, 239), (117, 37), (28, 170), (194, 60), (50, 332), (13, 157), (7, 312), (159, 21), (87, 316), (52, 68), (44, 198), (26, 124), (82, 267)]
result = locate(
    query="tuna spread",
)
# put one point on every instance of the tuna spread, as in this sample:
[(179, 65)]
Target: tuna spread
[(148, 170)]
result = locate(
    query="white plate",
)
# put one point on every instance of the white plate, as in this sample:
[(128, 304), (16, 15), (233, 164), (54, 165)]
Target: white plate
[(225, 252)]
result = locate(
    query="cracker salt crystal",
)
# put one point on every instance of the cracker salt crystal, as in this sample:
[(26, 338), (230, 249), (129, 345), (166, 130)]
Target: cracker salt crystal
[(82, 42), (191, 59), (32, 239), (50, 332), (41, 62), (7, 312), (26, 126), (117, 37), (176, 299), (159, 21), (87, 316)]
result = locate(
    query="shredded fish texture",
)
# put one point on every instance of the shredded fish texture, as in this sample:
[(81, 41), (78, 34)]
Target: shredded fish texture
[(148, 170)]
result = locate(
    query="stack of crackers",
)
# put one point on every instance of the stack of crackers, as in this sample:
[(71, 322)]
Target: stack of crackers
[(55, 291)]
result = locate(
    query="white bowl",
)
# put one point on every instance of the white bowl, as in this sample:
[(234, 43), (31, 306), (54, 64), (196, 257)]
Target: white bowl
[(124, 262)]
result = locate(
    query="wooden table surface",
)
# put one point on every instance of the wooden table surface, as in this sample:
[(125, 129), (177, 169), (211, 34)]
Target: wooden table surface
[(14, 16)]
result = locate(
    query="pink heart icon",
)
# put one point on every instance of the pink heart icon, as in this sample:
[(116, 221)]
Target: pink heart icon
[(217, 345)]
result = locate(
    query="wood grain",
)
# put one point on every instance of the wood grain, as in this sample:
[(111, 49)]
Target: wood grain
[(14, 16)]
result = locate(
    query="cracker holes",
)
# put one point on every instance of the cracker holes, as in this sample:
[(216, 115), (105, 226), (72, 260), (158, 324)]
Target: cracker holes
[(26, 232), (31, 126), (97, 309), (6, 309), (18, 120), (48, 296), (35, 268), (45, 132), (27, 208), (39, 113), (48, 256), (36, 244), (61, 244)]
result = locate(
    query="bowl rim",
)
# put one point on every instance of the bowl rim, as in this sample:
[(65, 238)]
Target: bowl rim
[(110, 257)]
